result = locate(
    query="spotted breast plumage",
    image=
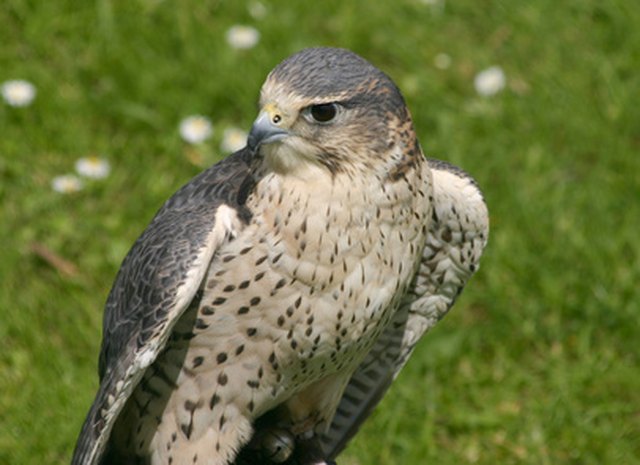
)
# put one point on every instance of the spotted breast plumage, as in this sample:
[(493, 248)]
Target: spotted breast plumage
[(273, 299)]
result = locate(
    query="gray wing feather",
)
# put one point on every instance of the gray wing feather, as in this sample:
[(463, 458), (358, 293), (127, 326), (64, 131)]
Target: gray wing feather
[(157, 280), (457, 236)]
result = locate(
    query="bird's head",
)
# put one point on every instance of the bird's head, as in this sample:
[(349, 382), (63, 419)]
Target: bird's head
[(330, 108)]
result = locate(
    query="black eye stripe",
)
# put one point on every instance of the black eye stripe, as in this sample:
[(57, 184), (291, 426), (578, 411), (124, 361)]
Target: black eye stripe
[(324, 112)]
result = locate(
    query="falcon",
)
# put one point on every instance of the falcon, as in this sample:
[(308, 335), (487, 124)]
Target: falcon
[(274, 298)]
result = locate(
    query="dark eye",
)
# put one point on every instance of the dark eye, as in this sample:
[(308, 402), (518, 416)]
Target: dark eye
[(324, 112)]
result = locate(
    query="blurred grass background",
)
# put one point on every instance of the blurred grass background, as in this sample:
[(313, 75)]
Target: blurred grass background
[(538, 363)]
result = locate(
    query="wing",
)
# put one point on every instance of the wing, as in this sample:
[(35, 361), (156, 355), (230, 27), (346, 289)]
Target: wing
[(457, 236), (157, 280)]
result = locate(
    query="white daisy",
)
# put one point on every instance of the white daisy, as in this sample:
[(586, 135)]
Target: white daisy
[(242, 37), (195, 129), (490, 81), (18, 93), (93, 167), (257, 10), (233, 139), (66, 184), (442, 61)]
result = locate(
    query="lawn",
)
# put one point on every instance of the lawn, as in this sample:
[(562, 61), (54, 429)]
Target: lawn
[(539, 363)]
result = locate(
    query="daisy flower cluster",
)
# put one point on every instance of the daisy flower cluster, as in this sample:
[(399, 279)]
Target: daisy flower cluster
[(197, 129), (21, 93), (92, 167)]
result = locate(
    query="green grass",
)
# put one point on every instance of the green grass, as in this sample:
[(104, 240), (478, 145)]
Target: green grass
[(539, 361)]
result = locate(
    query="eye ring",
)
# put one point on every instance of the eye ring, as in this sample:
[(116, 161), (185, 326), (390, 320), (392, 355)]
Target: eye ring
[(323, 112)]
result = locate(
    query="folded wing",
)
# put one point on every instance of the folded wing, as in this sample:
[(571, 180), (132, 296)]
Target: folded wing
[(157, 281), (457, 236)]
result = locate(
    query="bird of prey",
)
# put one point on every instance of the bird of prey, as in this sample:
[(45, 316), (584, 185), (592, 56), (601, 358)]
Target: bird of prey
[(273, 299)]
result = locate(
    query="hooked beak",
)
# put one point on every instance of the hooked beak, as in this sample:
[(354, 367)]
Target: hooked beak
[(265, 130)]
